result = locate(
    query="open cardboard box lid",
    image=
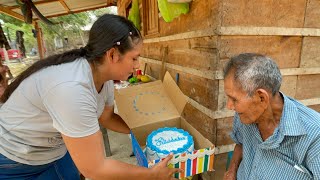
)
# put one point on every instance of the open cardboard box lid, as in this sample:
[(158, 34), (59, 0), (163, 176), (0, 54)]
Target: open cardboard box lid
[(150, 103)]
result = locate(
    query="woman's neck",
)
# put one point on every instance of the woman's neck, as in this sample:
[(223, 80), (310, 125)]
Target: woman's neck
[(97, 78)]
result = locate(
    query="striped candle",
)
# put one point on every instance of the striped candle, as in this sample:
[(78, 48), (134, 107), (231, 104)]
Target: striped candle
[(202, 163), (183, 166), (177, 165)]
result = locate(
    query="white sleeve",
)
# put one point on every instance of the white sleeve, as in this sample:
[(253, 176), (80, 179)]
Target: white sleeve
[(73, 109)]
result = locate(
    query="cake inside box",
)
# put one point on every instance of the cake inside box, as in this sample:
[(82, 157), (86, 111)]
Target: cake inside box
[(200, 160), (163, 141)]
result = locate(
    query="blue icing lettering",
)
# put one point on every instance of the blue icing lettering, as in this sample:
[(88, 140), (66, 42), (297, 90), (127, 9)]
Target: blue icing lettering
[(161, 141)]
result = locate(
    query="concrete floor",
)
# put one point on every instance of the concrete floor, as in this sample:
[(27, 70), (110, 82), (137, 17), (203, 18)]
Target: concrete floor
[(121, 149)]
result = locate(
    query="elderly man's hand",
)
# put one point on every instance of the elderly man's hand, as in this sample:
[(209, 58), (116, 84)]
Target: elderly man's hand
[(230, 175)]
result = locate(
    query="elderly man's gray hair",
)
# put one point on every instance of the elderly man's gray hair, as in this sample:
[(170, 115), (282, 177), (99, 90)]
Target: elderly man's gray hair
[(253, 71)]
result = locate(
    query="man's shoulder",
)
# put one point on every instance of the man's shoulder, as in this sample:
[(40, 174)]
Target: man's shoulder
[(303, 111)]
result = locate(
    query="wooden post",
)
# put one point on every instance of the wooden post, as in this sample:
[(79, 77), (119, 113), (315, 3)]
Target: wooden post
[(106, 141), (164, 54), (39, 40)]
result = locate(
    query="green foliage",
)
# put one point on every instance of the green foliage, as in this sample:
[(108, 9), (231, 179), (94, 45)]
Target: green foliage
[(102, 11), (11, 20), (11, 25), (71, 22), (134, 14), (65, 24), (169, 11)]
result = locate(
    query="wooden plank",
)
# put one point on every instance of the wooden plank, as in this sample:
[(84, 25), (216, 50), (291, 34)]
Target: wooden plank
[(224, 127), (239, 30), (315, 107), (204, 74), (222, 98), (312, 14), (289, 85), (11, 13), (164, 60), (39, 40), (310, 55), (284, 13), (218, 75), (284, 50), (308, 87), (268, 31), (200, 90), (77, 11), (183, 35), (311, 102), (204, 124), (196, 53), (285, 72), (199, 17), (36, 3), (65, 6), (212, 114)]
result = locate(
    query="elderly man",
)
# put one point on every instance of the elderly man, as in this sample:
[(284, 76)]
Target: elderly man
[(276, 136)]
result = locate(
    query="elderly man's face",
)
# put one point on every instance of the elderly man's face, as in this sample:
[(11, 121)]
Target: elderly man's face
[(248, 108)]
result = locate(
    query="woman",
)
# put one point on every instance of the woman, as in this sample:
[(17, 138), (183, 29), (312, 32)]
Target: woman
[(49, 119)]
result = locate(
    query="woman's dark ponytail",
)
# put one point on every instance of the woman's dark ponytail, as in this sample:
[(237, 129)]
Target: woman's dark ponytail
[(66, 57)]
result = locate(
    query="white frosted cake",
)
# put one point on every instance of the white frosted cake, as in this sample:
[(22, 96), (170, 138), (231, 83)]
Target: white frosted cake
[(161, 142)]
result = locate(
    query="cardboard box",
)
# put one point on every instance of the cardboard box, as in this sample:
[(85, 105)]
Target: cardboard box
[(157, 104)]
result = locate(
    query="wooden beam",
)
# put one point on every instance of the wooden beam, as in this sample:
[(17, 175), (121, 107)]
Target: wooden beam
[(65, 6), (201, 73), (285, 72), (238, 31), (218, 75), (76, 11), (268, 31), (39, 40), (35, 3), (11, 13)]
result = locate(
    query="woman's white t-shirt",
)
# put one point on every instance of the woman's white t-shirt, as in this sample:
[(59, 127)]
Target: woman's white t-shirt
[(58, 99)]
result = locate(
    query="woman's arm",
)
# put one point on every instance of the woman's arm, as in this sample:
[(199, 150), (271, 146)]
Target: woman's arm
[(234, 164), (112, 121), (88, 155)]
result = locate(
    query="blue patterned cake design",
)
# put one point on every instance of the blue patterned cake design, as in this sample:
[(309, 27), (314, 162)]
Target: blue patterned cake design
[(165, 140)]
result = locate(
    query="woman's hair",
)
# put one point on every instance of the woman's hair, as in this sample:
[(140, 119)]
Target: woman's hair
[(107, 32), (253, 71)]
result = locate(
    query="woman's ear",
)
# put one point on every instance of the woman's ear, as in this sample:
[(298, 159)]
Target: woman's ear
[(112, 55)]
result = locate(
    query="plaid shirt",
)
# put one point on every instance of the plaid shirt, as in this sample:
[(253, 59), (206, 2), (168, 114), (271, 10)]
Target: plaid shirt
[(292, 152)]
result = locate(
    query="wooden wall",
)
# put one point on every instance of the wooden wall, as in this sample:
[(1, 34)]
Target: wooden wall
[(199, 43)]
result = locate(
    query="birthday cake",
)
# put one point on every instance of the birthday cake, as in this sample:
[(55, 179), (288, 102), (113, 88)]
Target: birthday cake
[(161, 142)]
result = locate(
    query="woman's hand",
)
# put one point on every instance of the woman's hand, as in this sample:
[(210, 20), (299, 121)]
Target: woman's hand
[(230, 175), (161, 171)]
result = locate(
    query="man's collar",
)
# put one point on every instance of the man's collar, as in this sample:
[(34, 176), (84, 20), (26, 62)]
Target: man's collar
[(290, 124)]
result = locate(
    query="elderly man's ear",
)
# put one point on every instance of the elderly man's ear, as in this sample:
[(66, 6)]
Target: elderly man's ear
[(264, 97)]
